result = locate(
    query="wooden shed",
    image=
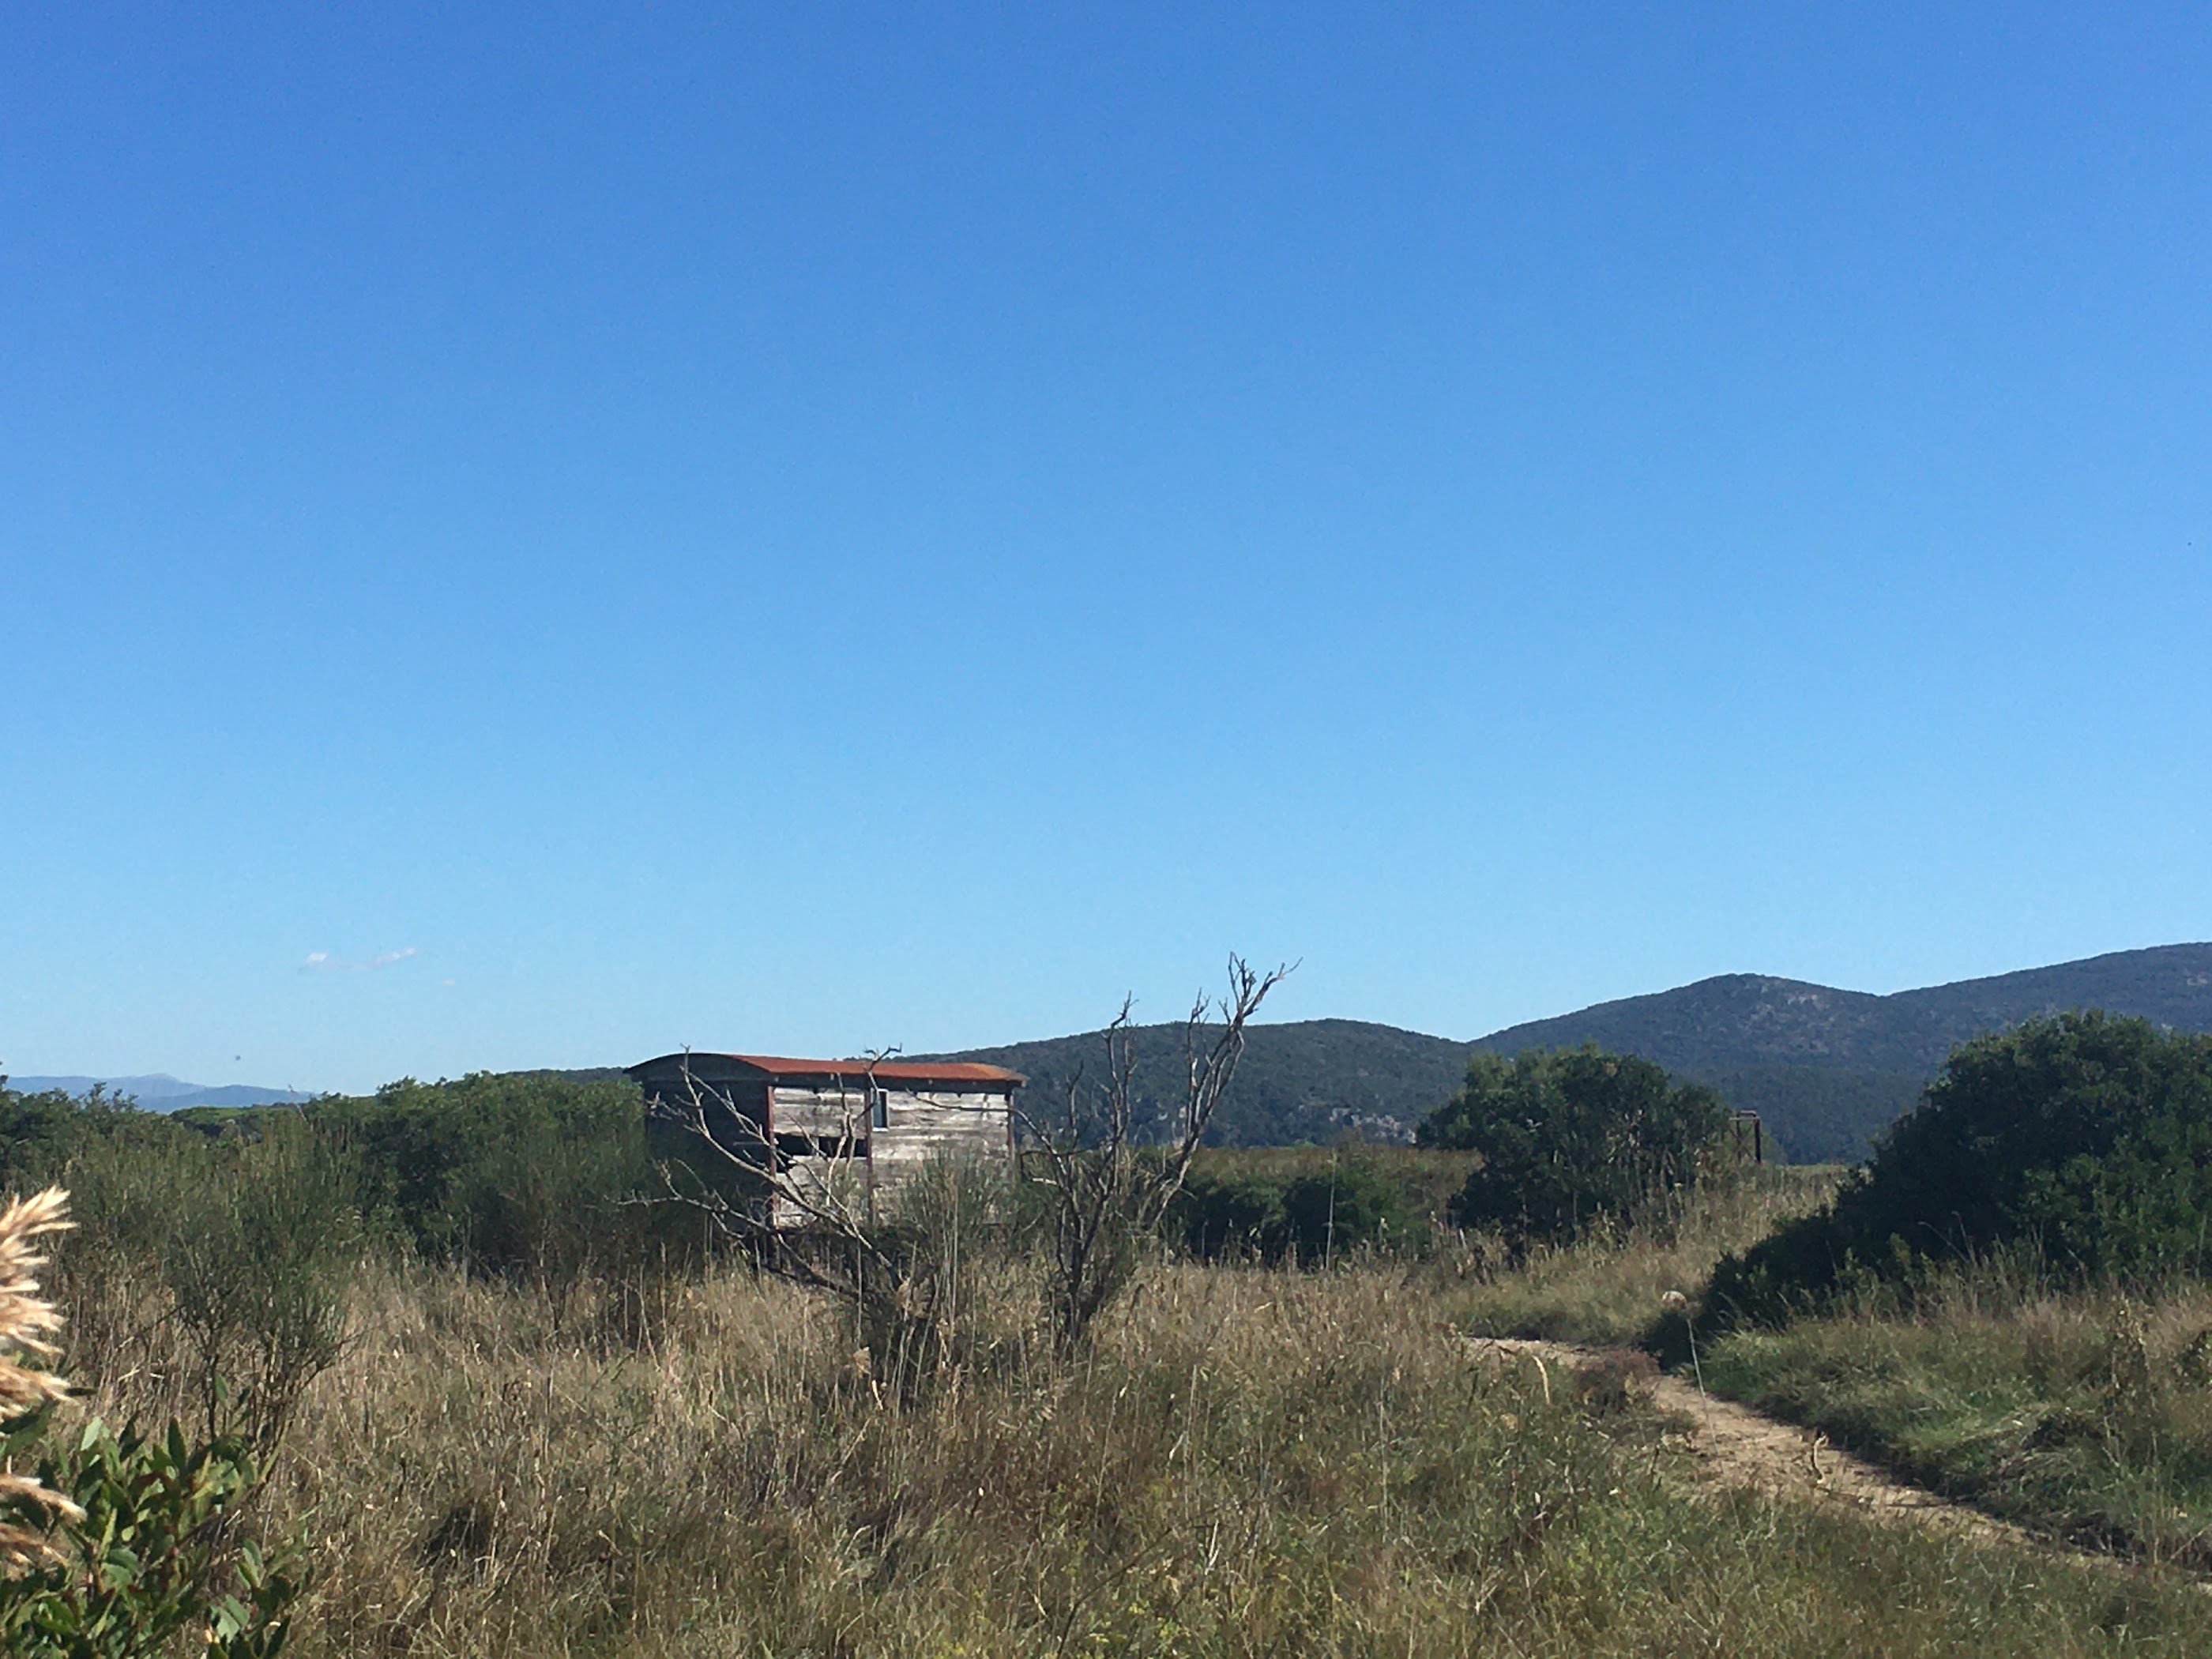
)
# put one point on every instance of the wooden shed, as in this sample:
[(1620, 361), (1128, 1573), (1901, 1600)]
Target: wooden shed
[(862, 1126)]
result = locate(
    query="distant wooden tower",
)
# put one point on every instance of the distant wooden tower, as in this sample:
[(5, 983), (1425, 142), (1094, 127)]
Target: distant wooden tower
[(812, 1124)]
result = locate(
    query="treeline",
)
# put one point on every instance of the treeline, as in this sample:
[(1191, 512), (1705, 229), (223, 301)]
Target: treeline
[(553, 1179), (2077, 1147), (1534, 1150), (2086, 1138), (516, 1175)]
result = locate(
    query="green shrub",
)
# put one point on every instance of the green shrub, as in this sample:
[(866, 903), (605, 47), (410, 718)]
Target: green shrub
[(515, 1174), (147, 1561), (42, 1135), (37, 1135), (519, 1175), (239, 1243), (261, 1242), (1311, 1215), (2083, 1139), (118, 1545), (1568, 1137), (244, 1240), (1350, 1205), (1232, 1213)]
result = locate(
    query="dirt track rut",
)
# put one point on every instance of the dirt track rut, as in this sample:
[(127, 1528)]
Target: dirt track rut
[(1732, 1445)]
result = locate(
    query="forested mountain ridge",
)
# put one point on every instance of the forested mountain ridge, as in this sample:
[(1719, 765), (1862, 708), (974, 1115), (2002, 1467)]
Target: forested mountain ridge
[(1310, 1080), (1745, 1019), (1827, 1069)]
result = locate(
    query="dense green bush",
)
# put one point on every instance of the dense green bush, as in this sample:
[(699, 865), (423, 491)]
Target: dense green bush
[(244, 1240), (1568, 1137), (41, 1134), (2084, 1139), (515, 1174), (1309, 1214), (519, 1175)]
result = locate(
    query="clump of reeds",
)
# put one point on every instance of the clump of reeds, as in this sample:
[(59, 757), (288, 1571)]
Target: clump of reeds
[(27, 1321)]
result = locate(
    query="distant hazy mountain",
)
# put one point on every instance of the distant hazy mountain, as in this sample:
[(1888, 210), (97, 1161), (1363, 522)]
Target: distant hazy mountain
[(1827, 1069), (160, 1092)]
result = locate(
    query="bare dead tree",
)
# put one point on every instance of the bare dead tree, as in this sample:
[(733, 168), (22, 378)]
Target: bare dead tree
[(814, 1223), (1106, 1191)]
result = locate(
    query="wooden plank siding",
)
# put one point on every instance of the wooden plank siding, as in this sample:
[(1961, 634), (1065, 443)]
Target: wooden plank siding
[(827, 1114), (825, 1128), (923, 1124), (804, 1185)]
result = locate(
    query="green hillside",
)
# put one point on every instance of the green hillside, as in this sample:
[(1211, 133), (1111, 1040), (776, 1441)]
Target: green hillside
[(1308, 1080), (1827, 1069), (1750, 1019)]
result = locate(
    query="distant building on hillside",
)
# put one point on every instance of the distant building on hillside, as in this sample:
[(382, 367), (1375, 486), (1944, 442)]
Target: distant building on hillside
[(842, 1126)]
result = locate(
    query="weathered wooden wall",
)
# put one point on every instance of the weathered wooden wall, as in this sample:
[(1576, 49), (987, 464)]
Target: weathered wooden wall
[(919, 1125), (925, 1125), (821, 1127), (829, 1112)]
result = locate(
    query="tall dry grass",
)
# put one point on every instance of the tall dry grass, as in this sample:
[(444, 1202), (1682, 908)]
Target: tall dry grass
[(1607, 1288), (1250, 1461)]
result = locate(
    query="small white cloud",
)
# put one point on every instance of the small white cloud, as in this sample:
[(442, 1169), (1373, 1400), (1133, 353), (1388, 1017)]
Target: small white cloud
[(322, 962)]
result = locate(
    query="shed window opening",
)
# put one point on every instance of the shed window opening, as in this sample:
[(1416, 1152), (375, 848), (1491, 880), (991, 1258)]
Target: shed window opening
[(879, 1110)]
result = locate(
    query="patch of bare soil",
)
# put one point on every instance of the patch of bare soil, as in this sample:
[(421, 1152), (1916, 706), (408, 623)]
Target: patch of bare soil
[(1726, 1443)]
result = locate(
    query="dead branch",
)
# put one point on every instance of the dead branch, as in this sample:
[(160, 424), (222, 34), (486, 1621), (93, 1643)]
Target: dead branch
[(1104, 1193)]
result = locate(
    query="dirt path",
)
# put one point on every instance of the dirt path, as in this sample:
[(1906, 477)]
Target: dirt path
[(1731, 1444)]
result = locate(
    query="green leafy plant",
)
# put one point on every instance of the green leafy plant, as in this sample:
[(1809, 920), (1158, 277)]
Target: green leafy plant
[(144, 1552), (120, 1544), (1571, 1137)]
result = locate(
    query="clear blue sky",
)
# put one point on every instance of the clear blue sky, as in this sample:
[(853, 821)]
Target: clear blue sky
[(824, 526)]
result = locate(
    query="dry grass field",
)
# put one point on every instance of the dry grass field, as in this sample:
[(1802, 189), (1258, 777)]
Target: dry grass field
[(1251, 1461)]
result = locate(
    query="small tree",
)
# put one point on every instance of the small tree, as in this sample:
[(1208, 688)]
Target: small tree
[(902, 1277), (1105, 1190), (1570, 1136)]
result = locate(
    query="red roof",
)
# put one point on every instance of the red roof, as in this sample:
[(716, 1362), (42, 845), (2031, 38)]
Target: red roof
[(886, 1071)]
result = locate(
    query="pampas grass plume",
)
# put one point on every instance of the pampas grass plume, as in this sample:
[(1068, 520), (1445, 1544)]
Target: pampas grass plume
[(27, 1321)]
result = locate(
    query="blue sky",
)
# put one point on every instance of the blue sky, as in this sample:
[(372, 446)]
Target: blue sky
[(536, 536)]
